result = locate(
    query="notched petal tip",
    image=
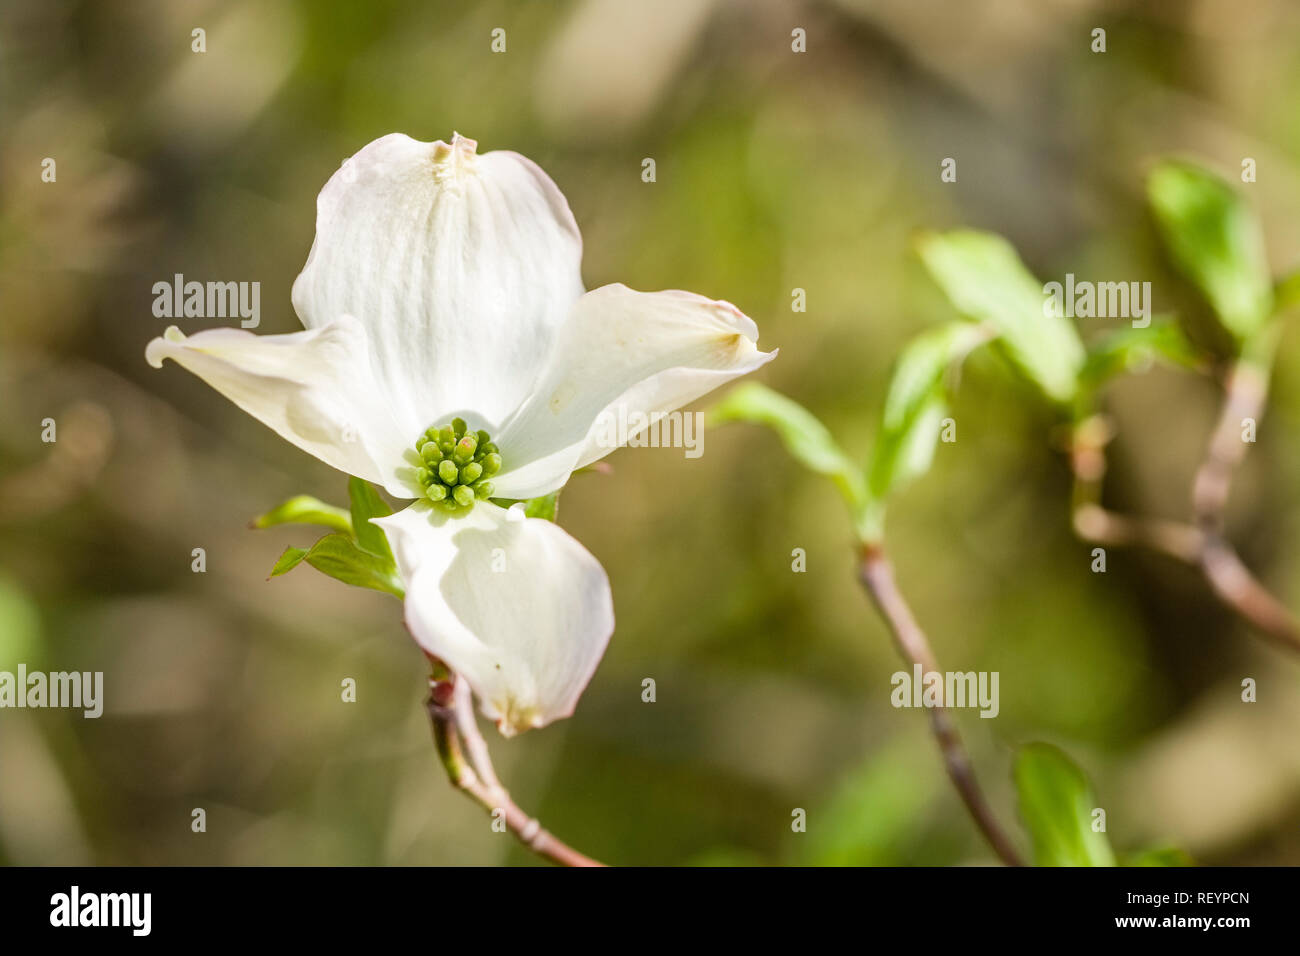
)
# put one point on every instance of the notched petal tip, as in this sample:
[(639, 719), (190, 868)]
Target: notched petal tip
[(461, 146), (742, 338), (449, 160), (462, 266), (159, 349), (313, 388), (731, 316), (519, 609)]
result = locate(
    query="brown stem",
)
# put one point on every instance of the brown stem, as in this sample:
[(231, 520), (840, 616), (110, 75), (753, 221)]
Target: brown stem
[(446, 706), (877, 576), (1245, 391), (1242, 591), (1201, 545), (476, 747), (1232, 582), (1174, 538)]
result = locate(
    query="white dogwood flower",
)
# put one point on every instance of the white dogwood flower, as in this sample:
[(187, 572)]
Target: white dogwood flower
[(451, 355)]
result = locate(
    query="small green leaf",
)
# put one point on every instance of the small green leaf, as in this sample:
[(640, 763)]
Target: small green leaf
[(1214, 238), (339, 557), (1161, 856), (803, 435), (546, 507), (367, 504), (915, 406), (983, 277), (876, 814), (304, 509), (1286, 294), (1056, 804), (900, 457), (20, 627), (291, 558), (1127, 348)]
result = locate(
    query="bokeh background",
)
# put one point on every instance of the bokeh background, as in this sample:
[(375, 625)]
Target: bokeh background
[(775, 171)]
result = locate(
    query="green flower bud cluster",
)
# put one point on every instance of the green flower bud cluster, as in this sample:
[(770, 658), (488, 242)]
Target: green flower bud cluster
[(455, 465)]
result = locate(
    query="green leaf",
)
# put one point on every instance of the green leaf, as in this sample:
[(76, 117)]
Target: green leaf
[(804, 436), (730, 857), (1127, 348), (291, 558), (877, 813), (1056, 804), (1161, 856), (338, 556), (1286, 294), (304, 509), (1214, 238), (983, 277), (546, 507), (20, 627), (367, 504), (900, 457), (915, 406)]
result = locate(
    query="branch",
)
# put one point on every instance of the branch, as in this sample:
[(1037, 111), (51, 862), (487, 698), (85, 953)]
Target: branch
[(454, 734), (1174, 538), (467, 726), (1201, 545), (1245, 391), (877, 576)]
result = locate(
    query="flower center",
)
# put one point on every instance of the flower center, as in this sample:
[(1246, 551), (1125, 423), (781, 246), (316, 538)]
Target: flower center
[(455, 465)]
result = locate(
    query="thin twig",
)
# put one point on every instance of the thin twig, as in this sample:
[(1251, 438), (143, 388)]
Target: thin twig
[(1242, 591), (446, 706), (475, 746), (1201, 545), (1174, 538), (877, 576), (1245, 391), (1232, 582), (1099, 525)]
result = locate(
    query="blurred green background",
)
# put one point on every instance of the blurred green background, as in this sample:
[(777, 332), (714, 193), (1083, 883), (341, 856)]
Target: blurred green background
[(775, 171)]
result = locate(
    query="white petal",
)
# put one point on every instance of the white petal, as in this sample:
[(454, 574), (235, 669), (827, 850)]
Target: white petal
[(461, 267), (517, 608), (621, 353), (314, 388)]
